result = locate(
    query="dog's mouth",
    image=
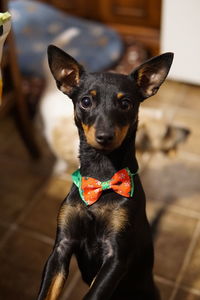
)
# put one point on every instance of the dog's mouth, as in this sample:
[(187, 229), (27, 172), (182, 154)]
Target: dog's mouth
[(104, 142), (107, 148)]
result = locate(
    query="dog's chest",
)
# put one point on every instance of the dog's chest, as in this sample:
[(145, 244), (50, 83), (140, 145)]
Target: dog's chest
[(95, 222), (98, 228), (102, 222)]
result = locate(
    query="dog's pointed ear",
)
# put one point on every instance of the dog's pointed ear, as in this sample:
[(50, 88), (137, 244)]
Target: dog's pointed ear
[(65, 69), (150, 75)]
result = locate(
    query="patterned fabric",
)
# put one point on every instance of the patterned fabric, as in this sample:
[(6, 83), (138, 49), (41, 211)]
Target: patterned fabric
[(36, 25), (90, 189)]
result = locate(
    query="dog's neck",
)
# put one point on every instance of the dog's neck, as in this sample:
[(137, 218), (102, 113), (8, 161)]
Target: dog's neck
[(102, 166)]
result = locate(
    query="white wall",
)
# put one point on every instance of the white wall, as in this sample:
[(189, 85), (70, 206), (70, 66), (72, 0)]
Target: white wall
[(180, 33)]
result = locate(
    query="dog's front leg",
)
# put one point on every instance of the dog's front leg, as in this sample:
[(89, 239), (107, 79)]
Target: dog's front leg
[(56, 271), (107, 279)]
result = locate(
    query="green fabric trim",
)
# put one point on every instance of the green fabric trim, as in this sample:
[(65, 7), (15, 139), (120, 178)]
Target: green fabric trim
[(77, 178), (132, 181), (105, 185)]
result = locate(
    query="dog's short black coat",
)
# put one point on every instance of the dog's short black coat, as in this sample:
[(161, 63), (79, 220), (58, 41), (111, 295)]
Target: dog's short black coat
[(111, 239)]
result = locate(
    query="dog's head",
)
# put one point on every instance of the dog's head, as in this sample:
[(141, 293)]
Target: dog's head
[(106, 104)]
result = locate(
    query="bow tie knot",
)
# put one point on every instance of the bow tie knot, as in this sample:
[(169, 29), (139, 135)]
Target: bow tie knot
[(90, 189)]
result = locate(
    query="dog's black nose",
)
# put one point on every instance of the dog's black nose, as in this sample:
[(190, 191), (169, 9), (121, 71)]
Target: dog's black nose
[(104, 138)]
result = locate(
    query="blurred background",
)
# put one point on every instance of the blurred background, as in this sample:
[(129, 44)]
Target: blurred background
[(38, 142)]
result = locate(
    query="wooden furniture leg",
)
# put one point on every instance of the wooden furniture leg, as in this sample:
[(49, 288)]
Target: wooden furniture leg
[(22, 119)]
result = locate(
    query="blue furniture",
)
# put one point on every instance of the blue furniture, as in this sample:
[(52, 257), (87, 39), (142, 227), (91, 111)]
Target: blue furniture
[(36, 25)]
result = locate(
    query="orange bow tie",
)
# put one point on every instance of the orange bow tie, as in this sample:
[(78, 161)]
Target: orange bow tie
[(90, 189)]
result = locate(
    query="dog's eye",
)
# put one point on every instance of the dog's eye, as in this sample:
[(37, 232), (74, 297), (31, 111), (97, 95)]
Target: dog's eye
[(125, 104), (86, 102)]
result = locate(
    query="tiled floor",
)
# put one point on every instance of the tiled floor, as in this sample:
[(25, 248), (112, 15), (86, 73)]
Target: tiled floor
[(31, 196)]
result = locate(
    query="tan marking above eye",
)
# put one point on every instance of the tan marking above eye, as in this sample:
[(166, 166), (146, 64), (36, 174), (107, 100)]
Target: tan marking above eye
[(120, 95), (93, 92)]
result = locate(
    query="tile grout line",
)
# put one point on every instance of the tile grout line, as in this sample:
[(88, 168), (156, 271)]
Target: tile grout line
[(170, 283), (39, 236), (33, 201), (166, 281), (186, 261), (13, 226), (178, 106), (190, 290), (184, 211), (11, 229)]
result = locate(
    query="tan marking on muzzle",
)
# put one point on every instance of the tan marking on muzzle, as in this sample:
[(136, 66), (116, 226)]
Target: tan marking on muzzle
[(120, 134), (90, 134)]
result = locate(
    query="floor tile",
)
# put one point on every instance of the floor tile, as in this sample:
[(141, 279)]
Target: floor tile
[(14, 147), (22, 260), (192, 273), (174, 181), (3, 230), (191, 99), (43, 217), (72, 281), (58, 187), (78, 291), (189, 119), (18, 184), (182, 295), (11, 147), (81, 289), (164, 289), (173, 236)]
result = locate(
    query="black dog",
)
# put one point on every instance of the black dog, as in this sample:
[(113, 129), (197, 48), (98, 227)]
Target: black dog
[(103, 221)]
